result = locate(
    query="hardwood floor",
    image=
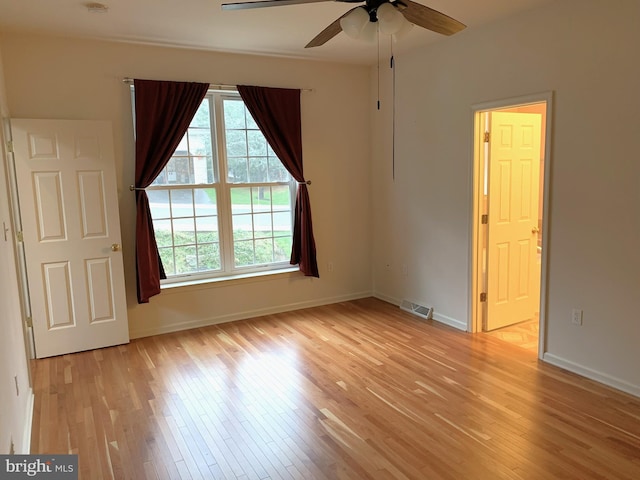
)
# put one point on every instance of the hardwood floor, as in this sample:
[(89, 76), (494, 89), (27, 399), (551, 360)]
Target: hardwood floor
[(524, 335), (357, 390)]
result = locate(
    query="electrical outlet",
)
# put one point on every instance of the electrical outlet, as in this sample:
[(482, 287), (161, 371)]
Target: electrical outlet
[(576, 316), (405, 270), (330, 266)]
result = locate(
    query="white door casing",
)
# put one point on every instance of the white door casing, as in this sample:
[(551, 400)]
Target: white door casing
[(514, 172), (65, 171)]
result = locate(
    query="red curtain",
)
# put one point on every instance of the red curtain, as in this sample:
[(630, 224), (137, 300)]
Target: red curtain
[(163, 113), (277, 113)]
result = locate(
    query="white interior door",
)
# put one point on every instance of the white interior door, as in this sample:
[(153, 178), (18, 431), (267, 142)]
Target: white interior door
[(65, 172), (513, 290)]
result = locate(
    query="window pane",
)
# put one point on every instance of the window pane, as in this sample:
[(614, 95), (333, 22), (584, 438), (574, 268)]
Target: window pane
[(243, 253), (159, 203), (240, 200), (257, 143), (277, 172), (202, 170), (270, 152), (182, 202), (209, 257), (184, 231), (166, 255), (200, 142), (264, 251), (167, 175), (202, 117), (162, 229), (258, 170), (183, 147), (261, 199), (251, 123), (206, 201), (237, 170), (186, 260), (282, 224), (179, 171), (281, 198), (234, 114), (262, 225), (211, 171), (207, 229), (242, 226), (236, 144), (282, 250)]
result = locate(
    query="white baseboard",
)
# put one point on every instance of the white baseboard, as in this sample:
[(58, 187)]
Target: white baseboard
[(591, 374), (452, 322), (438, 317), (385, 298), (206, 322), (26, 435)]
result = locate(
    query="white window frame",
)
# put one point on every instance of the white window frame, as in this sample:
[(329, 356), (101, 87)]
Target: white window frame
[(228, 270)]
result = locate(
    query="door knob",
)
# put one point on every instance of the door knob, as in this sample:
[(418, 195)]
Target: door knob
[(535, 230), (115, 247)]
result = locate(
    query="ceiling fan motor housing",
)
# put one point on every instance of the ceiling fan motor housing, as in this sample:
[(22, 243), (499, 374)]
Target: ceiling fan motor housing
[(371, 6)]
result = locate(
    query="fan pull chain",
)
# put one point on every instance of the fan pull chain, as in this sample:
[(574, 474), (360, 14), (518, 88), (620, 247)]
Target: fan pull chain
[(392, 65), (378, 36)]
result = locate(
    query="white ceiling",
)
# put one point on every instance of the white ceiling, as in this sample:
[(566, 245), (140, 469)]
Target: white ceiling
[(282, 30)]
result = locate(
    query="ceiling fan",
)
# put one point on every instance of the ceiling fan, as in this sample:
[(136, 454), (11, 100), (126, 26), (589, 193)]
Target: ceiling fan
[(389, 13)]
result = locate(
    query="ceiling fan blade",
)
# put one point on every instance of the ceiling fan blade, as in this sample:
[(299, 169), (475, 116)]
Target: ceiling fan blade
[(328, 33), (266, 3), (429, 18)]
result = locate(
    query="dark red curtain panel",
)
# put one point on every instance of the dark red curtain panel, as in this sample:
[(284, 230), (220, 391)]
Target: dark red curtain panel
[(163, 112), (277, 113)]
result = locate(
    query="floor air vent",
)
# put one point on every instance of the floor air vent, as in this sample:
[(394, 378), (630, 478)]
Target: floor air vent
[(419, 310)]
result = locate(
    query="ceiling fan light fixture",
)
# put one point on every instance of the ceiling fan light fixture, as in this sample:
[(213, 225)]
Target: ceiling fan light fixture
[(406, 27), (369, 33), (390, 19), (354, 23)]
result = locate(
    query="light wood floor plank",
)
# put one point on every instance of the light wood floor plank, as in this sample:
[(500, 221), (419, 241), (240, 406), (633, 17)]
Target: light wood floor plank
[(356, 390)]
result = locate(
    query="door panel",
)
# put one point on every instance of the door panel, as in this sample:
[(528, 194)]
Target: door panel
[(92, 203), (514, 168), (68, 204), (48, 204)]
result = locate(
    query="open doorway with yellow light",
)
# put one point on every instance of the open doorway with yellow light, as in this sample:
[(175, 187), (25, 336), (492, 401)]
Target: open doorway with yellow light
[(510, 177)]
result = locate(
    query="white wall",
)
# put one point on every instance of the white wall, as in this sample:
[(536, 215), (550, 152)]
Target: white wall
[(586, 54), (15, 406), (74, 79)]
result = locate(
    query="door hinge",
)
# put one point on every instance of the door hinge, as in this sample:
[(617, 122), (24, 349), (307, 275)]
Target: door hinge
[(29, 322), (485, 219), (483, 297), (20, 237), (10, 146), (487, 137)]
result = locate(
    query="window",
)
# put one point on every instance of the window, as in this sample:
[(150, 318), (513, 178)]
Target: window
[(223, 204)]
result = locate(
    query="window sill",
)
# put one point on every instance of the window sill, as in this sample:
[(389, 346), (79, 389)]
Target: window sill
[(230, 280)]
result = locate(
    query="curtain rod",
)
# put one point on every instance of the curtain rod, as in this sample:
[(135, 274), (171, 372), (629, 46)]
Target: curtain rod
[(219, 86)]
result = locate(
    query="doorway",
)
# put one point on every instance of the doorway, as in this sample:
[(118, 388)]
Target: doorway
[(511, 151)]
